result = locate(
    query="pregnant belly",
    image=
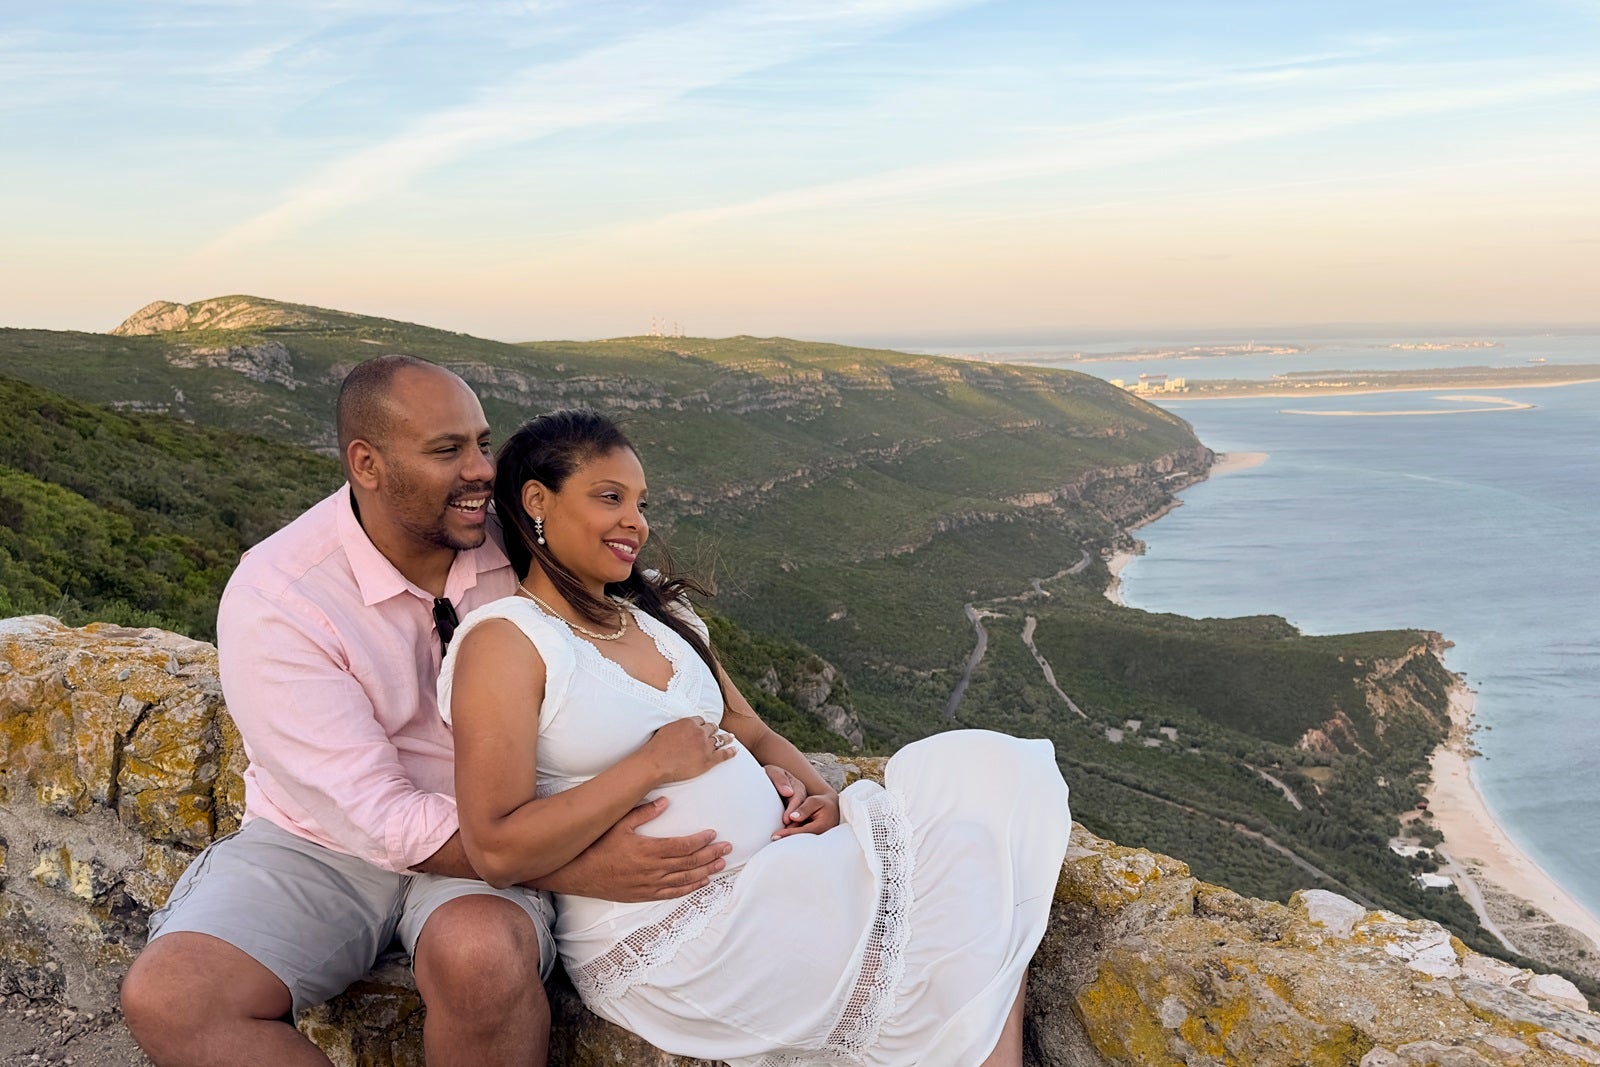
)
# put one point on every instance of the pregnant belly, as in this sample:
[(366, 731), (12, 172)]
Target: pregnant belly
[(734, 798)]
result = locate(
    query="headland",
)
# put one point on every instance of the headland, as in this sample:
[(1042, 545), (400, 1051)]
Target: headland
[(1516, 899), (1301, 384)]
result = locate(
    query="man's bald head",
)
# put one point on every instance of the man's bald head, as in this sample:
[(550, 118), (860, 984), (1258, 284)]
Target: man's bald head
[(363, 412)]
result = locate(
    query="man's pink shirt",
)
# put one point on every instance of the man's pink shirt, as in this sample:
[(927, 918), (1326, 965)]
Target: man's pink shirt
[(329, 663)]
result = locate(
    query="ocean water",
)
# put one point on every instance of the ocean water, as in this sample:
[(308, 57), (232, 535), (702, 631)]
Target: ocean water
[(1484, 526), (1351, 353)]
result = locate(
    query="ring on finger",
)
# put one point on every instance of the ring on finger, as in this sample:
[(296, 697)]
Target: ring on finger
[(719, 739)]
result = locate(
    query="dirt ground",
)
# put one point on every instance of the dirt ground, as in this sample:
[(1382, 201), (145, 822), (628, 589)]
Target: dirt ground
[(38, 1033)]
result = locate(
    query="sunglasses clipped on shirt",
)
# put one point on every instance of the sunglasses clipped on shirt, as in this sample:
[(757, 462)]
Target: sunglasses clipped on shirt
[(444, 620)]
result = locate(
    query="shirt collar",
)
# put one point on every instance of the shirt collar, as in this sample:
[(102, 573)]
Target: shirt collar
[(378, 579)]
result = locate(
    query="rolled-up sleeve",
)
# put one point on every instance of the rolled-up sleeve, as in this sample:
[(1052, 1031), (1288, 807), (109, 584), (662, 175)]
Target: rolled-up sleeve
[(318, 753)]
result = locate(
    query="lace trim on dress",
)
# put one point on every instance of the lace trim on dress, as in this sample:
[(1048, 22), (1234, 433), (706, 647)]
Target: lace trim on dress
[(629, 962), (883, 964)]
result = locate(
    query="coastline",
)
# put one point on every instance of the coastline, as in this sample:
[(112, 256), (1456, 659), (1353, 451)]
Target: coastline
[(1115, 564), (1225, 463), (1518, 901), (1304, 394), (1485, 856)]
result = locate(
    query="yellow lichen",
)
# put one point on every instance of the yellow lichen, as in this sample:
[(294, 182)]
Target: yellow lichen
[(1119, 1022), (58, 870)]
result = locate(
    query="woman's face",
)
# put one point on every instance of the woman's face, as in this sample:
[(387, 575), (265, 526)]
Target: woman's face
[(595, 525)]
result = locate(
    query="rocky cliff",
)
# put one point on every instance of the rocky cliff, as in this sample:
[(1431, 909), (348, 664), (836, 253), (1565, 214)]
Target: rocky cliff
[(117, 762), (226, 313)]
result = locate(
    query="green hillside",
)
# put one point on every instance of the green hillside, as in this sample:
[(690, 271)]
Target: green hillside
[(135, 519), (139, 520), (850, 499), (849, 502)]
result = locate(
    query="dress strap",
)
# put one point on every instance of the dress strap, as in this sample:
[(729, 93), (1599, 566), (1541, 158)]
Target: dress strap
[(551, 645)]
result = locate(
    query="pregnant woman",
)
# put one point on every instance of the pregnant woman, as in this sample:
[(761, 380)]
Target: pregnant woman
[(883, 926)]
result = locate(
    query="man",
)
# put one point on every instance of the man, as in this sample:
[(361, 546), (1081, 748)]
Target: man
[(331, 633)]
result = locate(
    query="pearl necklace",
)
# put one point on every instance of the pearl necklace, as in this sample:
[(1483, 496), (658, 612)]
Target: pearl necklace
[(548, 610)]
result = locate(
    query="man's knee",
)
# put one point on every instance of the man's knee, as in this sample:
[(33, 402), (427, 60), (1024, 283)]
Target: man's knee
[(187, 982), (146, 994), (479, 951)]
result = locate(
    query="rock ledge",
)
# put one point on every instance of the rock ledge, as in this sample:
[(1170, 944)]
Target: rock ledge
[(118, 762)]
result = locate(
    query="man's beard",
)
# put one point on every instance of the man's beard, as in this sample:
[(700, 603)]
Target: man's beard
[(437, 530), (439, 534)]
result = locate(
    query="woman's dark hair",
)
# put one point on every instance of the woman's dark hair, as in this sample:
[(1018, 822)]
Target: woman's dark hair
[(547, 449)]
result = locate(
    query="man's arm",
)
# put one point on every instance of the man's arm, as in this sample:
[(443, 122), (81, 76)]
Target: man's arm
[(314, 741), (625, 865), (451, 860)]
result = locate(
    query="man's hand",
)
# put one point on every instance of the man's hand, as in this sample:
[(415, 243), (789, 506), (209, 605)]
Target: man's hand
[(802, 813), (626, 866)]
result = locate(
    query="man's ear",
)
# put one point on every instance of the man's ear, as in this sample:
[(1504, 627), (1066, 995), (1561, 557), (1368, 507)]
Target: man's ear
[(534, 498), (364, 463)]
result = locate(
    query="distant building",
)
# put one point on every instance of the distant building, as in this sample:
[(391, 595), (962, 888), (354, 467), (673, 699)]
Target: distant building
[(1153, 383), (1434, 881)]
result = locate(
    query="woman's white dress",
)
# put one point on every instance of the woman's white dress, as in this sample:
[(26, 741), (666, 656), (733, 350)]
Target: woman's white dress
[(898, 937)]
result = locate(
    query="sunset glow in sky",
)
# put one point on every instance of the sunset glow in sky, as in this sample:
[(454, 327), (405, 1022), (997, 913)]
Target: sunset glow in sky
[(827, 169)]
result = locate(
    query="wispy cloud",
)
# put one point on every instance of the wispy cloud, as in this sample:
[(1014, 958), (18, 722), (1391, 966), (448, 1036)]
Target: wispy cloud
[(1134, 140), (157, 58), (606, 85)]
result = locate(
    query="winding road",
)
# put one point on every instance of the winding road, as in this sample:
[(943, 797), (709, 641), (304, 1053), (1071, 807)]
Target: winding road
[(975, 616), (1028, 626), (972, 660), (1287, 792), (1469, 892), (1244, 831)]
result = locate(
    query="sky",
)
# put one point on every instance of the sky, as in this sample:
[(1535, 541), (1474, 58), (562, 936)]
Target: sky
[(824, 169)]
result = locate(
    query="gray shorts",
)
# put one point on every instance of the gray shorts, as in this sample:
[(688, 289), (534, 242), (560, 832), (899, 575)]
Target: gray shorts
[(316, 918)]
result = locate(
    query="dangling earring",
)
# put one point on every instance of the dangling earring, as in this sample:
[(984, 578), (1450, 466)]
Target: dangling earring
[(538, 529)]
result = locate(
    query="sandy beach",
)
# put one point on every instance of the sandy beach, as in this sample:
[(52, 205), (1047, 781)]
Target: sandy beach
[(1492, 861), (1225, 463), (1495, 403), (1115, 565), (1234, 462), (1519, 901)]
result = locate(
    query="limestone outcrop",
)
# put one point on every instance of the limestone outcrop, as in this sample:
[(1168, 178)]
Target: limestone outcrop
[(223, 313), (812, 689), (118, 761), (266, 361)]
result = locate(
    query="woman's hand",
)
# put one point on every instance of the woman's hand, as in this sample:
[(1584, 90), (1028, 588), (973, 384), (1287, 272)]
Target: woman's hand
[(803, 813), (687, 748), (790, 788)]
